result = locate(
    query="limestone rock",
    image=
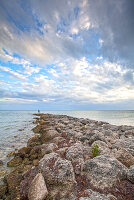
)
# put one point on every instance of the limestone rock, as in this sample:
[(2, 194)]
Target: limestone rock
[(130, 174), (38, 189), (124, 157), (103, 171)]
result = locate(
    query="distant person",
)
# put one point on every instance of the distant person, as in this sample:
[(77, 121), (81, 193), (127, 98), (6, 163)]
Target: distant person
[(38, 111)]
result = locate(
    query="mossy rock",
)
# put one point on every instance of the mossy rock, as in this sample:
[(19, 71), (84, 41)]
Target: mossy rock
[(25, 150), (14, 162)]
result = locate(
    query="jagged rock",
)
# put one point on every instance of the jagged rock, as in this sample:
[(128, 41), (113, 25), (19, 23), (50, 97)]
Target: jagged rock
[(103, 147), (124, 157), (24, 150), (38, 189), (36, 129), (130, 174), (103, 171), (48, 135)]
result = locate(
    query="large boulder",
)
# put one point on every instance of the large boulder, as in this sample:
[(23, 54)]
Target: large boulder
[(15, 161), (57, 172), (104, 171), (38, 189)]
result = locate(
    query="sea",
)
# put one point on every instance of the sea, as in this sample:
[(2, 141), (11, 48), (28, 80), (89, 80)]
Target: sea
[(16, 127)]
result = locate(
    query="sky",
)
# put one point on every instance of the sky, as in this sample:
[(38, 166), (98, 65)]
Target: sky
[(66, 54)]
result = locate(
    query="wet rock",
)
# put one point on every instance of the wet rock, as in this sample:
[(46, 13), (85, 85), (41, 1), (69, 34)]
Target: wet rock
[(13, 181), (15, 162), (38, 189), (130, 174), (104, 171), (11, 153), (24, 150), (36, 129), (124, 157), (33, 141)]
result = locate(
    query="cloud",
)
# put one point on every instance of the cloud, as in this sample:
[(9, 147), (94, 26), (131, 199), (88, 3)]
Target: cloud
[(67, 51)]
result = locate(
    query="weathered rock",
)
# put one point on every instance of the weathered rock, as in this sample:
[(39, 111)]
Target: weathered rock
[(47, 135), (26, 182), (124, 157), (130, 174), (97, 136), (58, 172), (15, 162), (38, 189), (104, 171), (48, 148)]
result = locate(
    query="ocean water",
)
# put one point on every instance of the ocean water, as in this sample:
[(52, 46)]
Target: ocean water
[(15, 127)]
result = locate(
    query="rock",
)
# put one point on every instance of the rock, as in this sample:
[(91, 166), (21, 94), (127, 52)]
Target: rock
[(33, 141), (103, 147), (24, 150), (36, 129), (104, 171), (130, 174), (48, 148), (97, 136), (124, 157), (35, 162), (127, 144), (26, 182), (92, 195), (14, 162), (3, 190), (11, 153), (47, 135), (1, 162), (2, 172), (38, 189), (57, 171), (13, 181)]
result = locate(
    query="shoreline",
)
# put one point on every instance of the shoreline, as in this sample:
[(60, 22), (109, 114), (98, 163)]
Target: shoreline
[(61, 154)]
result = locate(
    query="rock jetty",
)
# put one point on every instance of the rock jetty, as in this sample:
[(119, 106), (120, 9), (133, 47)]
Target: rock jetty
[(73, 159)]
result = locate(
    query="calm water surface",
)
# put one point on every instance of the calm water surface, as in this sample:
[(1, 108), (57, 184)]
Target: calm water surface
[(15, 126)]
